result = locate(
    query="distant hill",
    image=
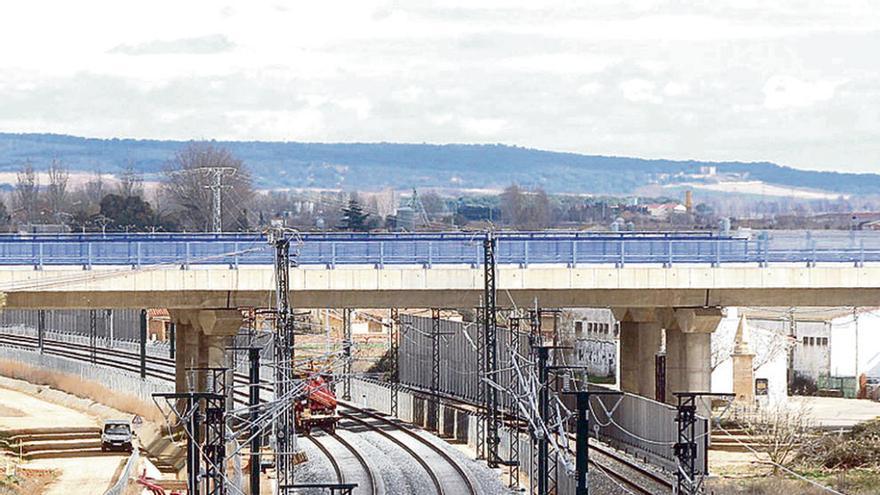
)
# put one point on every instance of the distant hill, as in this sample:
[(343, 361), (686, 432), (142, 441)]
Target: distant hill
[(378, 165)]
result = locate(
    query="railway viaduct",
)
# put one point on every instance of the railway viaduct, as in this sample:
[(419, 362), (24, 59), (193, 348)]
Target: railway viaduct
[(677, 282)]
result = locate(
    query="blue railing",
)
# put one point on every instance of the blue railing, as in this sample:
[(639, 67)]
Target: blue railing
[(429, 249)]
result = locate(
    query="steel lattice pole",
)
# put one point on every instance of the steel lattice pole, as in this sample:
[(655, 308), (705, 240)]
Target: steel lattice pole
[(491, 350), (515, 391), (395, 364), (346, 352), (434, 402), (284, 372)]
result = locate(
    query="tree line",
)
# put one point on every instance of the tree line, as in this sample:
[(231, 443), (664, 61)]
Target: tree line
[(181, 198)]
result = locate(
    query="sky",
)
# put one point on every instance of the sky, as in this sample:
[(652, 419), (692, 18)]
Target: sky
[(793, 82)]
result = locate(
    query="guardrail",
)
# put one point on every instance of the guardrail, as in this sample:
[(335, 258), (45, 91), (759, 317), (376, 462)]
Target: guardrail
[(514, 248), (121, 484)]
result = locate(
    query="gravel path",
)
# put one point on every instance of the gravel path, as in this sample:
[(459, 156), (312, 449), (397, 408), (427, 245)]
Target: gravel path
[(77, 476)]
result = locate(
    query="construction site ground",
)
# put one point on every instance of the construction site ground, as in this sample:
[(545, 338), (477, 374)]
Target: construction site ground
[(75, 475)]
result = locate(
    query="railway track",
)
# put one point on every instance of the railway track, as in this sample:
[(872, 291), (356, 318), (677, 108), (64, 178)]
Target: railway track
[(447, 475), (452, 478), (340, 453)]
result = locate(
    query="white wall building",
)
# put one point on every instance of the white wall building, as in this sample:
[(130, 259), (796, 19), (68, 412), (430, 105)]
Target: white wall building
[(595, 341), (855, 343), (770, 345)]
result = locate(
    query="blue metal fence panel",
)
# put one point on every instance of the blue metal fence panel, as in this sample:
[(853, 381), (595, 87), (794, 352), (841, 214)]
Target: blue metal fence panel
[(428, 249)]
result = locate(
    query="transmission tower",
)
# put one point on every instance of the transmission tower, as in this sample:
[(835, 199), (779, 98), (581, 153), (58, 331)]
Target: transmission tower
[(418, 208), (216, 174)]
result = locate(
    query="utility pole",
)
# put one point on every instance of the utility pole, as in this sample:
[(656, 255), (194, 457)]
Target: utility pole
[(394, 343), (856, 321), (256, 433), (434, 400), (346, 354), (41, 329), (490, 330), (515, 391), (93, 335), (582, 460), (216, 174), (543, 354), (143, 343), (284, 425)]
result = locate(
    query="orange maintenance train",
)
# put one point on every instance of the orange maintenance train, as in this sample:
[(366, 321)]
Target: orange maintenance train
[(317, 408)]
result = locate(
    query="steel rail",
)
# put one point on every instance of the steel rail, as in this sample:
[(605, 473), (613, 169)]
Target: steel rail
[(406, 448), (333, 462), (371, 477), (439, 451), (105, 356)]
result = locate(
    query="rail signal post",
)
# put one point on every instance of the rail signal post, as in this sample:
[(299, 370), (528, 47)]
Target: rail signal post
[(582, 460), (687, 482)]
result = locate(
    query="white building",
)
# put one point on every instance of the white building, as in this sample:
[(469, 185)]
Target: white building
[(807, 343), (769, 343), (595, 341)]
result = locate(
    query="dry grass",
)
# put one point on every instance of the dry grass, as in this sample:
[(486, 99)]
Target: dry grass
[(89, 390), (853, 482), (27, 481)]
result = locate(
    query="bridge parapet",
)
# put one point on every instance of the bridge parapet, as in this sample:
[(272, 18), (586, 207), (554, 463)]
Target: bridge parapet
[(443, 248)]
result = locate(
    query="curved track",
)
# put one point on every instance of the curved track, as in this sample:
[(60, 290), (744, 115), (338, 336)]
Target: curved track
[(455, 478), (340, 453), (445, 474)]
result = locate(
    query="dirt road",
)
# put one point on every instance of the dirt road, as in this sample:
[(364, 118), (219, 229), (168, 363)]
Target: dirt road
[(77, 476)]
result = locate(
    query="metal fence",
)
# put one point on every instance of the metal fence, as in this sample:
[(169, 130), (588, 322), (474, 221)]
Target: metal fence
[(640, 426), (112, 378), (517, 248), (459, 373), (111, 324), (644, 428), (155, 348)]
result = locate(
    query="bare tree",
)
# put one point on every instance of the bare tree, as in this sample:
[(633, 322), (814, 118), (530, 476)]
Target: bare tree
[(27, 194), (778, 431), (94, 189), (512, 205), (197, 173), (131, 182), (56, 190)]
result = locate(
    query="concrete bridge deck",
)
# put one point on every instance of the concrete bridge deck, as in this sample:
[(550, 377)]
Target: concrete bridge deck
[(442, 270)]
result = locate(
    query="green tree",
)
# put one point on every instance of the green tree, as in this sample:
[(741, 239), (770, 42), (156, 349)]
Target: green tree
[(353, 217), (131, 213)]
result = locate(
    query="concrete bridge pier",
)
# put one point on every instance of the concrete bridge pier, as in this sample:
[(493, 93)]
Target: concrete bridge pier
[(202, 337), (639, 345), (689, 350)]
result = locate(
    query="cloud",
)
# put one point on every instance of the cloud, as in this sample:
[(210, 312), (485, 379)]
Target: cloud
[(590, 88), (640, 91), (620, 78), (782, 92), (483, 127), (210, 44)]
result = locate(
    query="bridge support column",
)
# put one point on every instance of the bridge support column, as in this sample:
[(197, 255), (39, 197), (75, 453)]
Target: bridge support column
[(639, 345), (689, 351), (185, 356), (201, 342)]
